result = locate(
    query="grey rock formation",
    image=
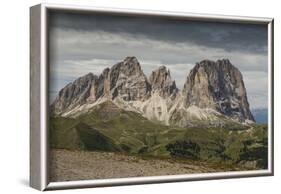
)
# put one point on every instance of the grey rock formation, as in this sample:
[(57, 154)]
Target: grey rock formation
[(75, 93), (212, 89), (128, 81), (125, 80), (161, 81), (219, 86), (102, 86)]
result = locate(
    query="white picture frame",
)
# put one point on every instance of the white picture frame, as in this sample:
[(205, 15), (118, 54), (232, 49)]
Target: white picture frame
[(39, 111)]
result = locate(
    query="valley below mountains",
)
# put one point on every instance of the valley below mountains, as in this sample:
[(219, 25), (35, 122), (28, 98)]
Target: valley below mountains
[(124, 111)]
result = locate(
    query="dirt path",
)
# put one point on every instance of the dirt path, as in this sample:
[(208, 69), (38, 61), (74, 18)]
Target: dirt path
[(85, 165)]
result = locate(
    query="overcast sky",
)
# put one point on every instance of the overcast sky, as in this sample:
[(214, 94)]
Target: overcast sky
[(82, 43)]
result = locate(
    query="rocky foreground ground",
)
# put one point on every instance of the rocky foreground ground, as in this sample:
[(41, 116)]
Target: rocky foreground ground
[(85, 165)]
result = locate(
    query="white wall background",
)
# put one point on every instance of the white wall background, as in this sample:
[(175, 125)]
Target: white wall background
[(14, 96)]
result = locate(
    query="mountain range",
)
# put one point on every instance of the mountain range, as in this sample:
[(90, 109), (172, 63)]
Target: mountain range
[(123, 110), (213, 93)]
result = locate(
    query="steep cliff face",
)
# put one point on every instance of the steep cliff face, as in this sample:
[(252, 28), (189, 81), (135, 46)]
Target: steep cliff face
[(75, 93), (128, 81), (161, 81), (219, 86), (213, 91)]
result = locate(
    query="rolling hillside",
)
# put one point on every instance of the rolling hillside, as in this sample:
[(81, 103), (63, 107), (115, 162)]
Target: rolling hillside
[(106, 127)]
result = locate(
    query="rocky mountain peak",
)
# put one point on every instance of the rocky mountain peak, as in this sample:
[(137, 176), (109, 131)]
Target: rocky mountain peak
[(128, 81), (130, 66), (218, 85), (75, 93), (131, 60), (161, 81), (209, 64)]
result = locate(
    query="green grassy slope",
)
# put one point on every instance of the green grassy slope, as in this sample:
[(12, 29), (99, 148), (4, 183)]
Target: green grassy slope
[(108, 128)]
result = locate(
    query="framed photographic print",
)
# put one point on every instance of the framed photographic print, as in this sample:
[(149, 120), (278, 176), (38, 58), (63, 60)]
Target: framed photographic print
[(123, 97)]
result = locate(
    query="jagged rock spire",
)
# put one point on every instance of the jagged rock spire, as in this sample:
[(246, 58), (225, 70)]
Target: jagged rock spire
[(161, 81)]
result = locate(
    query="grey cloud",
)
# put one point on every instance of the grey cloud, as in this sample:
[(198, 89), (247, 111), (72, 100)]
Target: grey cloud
[(76, 45), (231, 37)]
